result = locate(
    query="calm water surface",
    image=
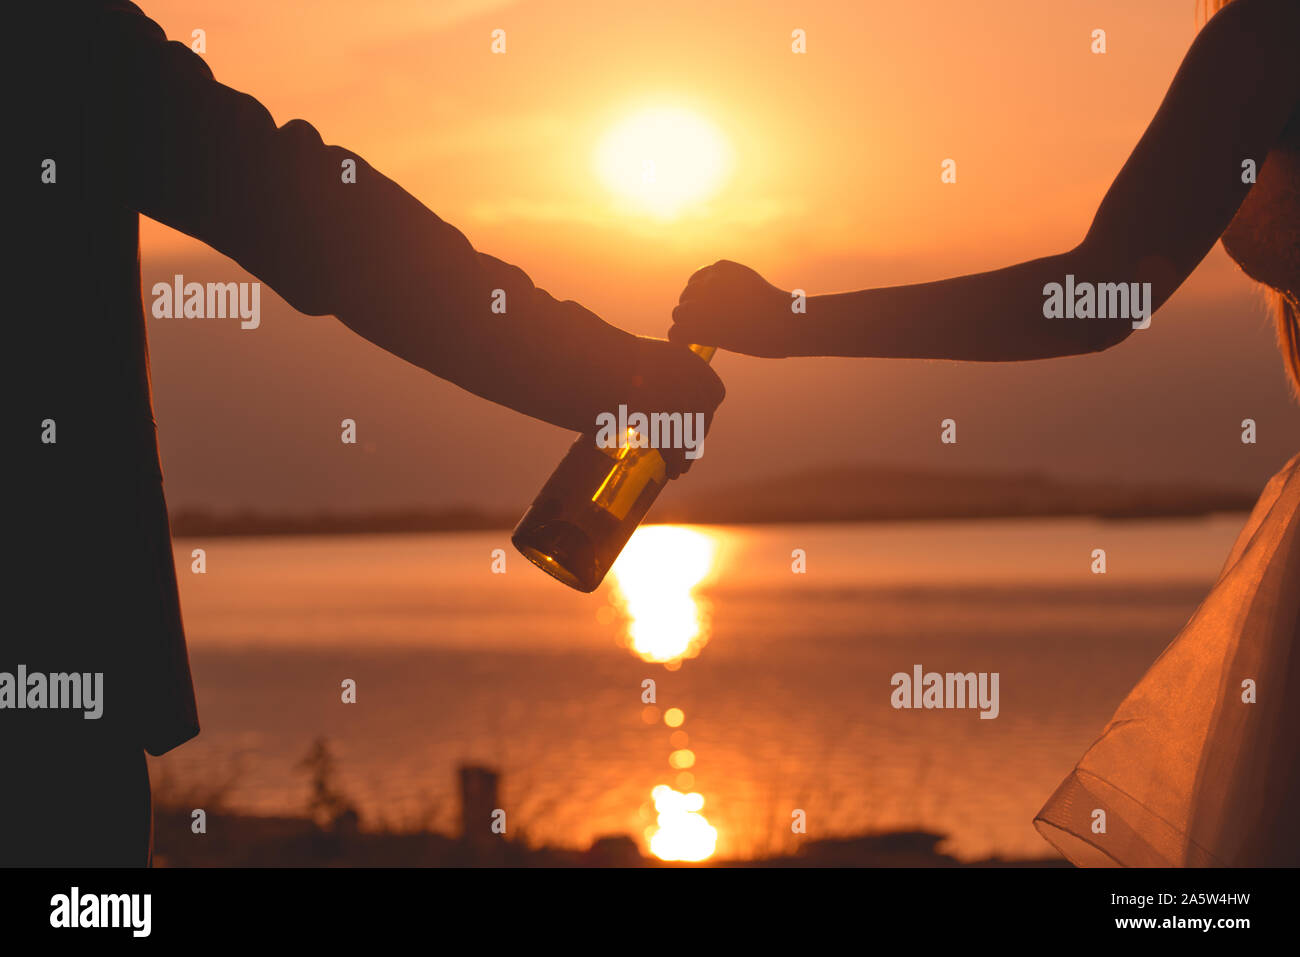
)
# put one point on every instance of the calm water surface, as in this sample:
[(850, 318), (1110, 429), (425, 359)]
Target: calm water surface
[(785, 689)]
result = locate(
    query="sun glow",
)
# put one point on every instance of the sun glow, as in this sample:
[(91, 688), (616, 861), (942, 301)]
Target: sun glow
[(683, 833), (655, 578), (663, 160)]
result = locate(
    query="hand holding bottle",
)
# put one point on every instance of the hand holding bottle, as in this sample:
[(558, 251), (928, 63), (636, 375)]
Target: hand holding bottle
[(557, 360), (605, 484)]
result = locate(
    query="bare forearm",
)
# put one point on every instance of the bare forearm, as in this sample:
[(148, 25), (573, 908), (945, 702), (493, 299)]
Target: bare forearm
[(993, 316), (1180, 188)]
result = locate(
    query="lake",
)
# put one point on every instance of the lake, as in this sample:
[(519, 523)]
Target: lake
[(782, 679)]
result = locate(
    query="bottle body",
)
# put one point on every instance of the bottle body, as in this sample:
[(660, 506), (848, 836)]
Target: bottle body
[(590, 506)]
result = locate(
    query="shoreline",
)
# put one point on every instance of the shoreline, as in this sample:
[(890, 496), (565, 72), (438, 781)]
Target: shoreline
[(196, 524)]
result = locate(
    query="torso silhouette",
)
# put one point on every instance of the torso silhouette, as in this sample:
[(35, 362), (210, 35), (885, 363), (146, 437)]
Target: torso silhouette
[(98, 566), (134, 124)]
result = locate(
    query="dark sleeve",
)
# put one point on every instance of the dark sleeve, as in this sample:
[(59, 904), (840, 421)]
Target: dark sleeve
[(211, 162)]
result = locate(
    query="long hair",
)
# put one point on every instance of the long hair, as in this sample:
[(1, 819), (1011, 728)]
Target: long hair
[(1285, 307), (1288, 336)]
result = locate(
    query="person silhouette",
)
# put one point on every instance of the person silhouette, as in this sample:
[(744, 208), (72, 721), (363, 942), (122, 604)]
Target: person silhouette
[(116, 122), (1192, 769)]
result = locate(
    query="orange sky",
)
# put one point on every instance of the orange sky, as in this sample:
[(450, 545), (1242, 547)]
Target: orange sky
[(834, 185)]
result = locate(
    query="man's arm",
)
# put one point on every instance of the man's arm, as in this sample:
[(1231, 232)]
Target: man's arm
[(210, 161)]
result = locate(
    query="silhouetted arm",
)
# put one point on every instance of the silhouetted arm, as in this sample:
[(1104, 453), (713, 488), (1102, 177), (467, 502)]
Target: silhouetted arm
[(211, 162), (1175, 196)]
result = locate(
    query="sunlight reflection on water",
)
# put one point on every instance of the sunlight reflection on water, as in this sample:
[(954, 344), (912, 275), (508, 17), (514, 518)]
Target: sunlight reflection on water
[(656, 579)]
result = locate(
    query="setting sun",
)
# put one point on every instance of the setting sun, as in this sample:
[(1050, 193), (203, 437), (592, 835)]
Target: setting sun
[(663, 160)]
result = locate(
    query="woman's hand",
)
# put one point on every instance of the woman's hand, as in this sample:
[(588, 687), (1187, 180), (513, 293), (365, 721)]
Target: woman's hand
[(732, 307)]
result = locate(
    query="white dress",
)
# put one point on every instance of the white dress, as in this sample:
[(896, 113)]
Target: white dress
[(1200, 765)]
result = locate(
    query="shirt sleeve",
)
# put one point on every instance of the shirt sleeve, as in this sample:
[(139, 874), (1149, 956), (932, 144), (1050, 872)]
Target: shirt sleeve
[(211, 162)]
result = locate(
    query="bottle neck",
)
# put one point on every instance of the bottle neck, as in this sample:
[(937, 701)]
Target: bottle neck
[(704, 352)]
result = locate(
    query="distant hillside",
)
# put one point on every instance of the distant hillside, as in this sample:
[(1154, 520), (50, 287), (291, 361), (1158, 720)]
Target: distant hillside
[(867, 493), (843, 494), (187, 522)]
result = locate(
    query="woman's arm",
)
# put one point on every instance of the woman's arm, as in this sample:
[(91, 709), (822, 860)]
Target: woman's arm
[(1175, 196)]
